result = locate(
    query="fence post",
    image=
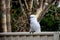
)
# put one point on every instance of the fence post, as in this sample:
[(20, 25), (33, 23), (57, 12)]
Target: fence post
[(56, 36)]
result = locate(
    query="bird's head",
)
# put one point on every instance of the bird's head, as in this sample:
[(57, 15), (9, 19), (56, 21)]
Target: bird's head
[(32, 16)]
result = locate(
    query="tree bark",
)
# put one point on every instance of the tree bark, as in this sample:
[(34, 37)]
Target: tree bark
[(8, 15), (3, 8), (39, 10)]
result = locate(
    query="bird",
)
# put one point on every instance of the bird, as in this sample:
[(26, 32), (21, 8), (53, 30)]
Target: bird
[(34, 24)]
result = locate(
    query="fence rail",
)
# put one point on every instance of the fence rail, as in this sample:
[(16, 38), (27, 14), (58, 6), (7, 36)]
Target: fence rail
[(30, 36)]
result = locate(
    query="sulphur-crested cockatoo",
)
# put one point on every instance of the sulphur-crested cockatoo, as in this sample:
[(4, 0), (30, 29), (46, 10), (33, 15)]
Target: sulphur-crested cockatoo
[(34, 24)]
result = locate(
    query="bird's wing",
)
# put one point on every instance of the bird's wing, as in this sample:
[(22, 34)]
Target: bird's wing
[(35, 26)]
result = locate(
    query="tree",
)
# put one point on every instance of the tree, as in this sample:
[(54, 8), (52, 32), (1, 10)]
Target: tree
[(27, 8), (3, 8), (5, 11), (8, 18)]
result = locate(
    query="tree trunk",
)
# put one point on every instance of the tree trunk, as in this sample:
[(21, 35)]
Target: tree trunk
[(3, 8), (8, 15)]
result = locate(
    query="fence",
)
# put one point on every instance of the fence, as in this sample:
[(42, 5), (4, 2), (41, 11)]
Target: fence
[(30, 36)]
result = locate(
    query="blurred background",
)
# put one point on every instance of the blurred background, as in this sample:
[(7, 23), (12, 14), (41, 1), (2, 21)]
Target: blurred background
[(14, 15)]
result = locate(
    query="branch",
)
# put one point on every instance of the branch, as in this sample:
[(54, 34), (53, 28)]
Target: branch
[(22, 7), (30, 5), (44, 11), (36, 3), (39, 9), (45, 4), (26, 4)]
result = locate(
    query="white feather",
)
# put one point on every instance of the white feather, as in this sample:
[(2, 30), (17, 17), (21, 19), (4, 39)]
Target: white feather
[(34, 24)]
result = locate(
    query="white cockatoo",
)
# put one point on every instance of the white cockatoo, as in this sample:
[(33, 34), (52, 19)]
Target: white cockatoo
[(34, 24)]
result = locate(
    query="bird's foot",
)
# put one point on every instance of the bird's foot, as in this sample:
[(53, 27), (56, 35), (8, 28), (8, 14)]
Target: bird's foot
[(32, 31)]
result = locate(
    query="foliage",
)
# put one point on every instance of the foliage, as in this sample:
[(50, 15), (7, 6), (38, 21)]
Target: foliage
[(49, 23), (15, 14), (18, 18)]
